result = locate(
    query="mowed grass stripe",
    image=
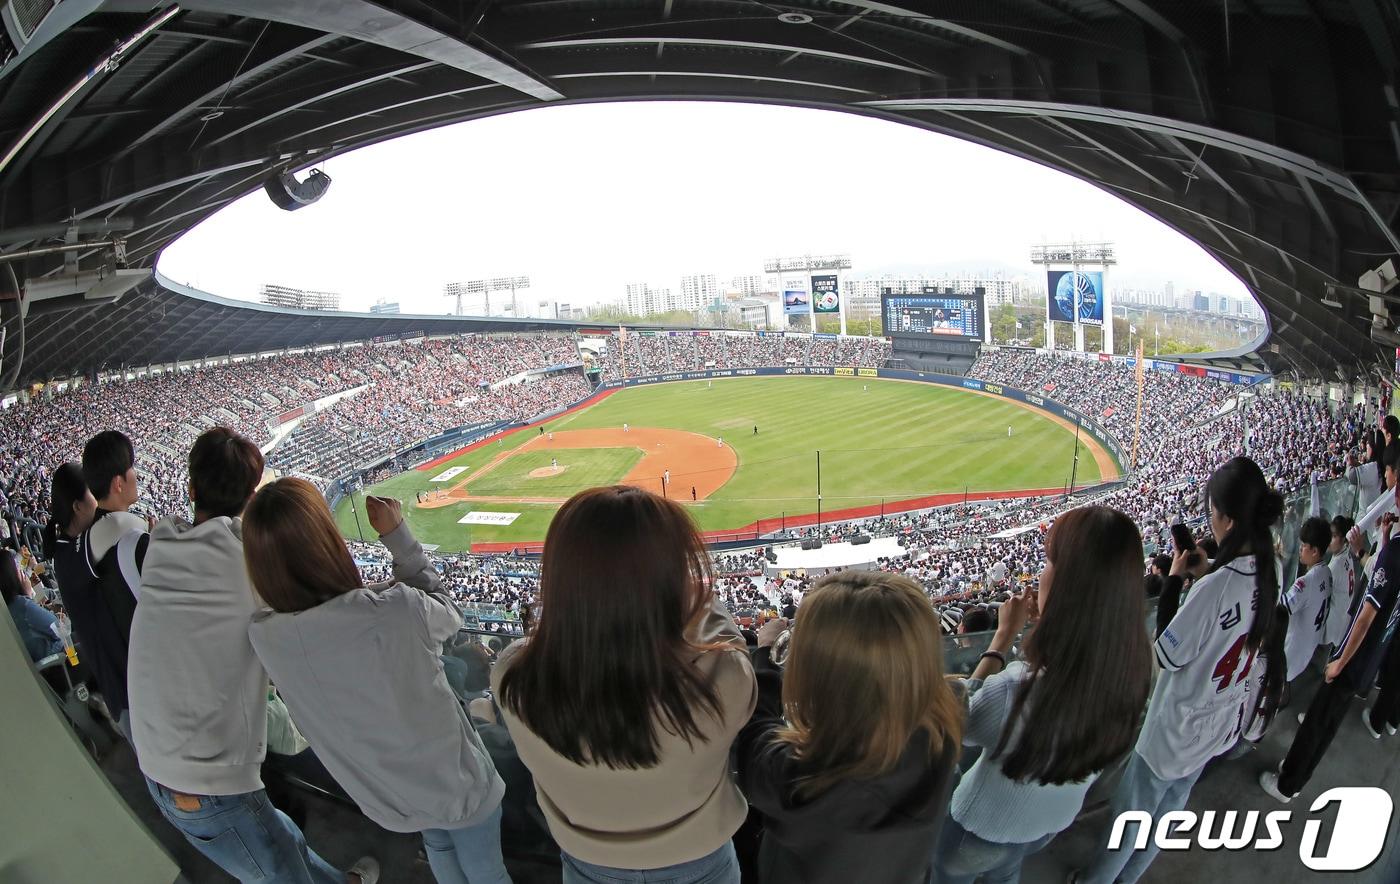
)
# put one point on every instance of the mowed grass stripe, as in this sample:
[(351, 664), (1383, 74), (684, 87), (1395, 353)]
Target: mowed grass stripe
[(890, 441)]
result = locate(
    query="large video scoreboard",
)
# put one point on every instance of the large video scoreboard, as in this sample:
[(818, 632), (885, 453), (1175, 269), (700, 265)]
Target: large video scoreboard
[(945, 315)]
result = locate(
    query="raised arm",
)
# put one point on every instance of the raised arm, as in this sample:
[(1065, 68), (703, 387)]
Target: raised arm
[(412, 568)]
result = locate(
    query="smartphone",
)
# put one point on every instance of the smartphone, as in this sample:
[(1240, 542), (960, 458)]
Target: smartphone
[(1182, 539)]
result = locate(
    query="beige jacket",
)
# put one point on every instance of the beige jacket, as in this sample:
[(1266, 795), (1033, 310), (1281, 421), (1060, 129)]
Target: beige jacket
[(684, 808)]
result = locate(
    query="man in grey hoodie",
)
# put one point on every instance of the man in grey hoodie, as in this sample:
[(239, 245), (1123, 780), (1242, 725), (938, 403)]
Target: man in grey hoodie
[(197, 691)]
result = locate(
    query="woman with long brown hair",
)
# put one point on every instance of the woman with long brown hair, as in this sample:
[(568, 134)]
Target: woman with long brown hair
[(851, 750), (360, 670), (624, 701), (1049, 723)]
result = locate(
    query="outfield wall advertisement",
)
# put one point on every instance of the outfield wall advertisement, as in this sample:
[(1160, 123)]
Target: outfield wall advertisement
[(1045, 404)]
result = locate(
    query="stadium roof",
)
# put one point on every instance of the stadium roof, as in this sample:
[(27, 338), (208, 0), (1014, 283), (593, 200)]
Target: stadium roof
[(1266, 130), (162, 322)]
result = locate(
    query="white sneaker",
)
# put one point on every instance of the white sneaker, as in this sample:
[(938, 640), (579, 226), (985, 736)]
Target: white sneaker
[(1366, 720), (1390, 729), (1301, 716), (367, 867), (1268, 781)]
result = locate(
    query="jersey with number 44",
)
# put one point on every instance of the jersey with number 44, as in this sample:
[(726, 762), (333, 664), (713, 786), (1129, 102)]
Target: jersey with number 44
[(1198, 707)]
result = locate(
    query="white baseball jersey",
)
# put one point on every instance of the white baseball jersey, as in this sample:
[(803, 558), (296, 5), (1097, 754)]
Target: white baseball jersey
[(1307, 601), (1343, 570), (1198, 706)]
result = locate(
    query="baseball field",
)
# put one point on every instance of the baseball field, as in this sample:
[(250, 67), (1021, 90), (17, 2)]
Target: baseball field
[(736, 451)]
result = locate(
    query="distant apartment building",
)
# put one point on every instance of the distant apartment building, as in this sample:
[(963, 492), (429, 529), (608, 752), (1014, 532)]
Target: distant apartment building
[(698, 291), (644, 300), (384, 307), (749, 286), (299, 299)]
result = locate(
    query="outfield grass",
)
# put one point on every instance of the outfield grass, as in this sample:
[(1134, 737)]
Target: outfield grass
[(879, 440)]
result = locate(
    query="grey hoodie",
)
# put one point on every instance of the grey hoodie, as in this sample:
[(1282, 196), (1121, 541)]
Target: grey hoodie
[(198, 693), (362, 677)]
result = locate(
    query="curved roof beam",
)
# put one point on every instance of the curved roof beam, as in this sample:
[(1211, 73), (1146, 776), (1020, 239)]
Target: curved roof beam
[(779, 80), (376, 24), (942, 24), (590, 42)]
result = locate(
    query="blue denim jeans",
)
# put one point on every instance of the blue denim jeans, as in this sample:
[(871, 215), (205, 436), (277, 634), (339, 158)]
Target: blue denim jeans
[(467, 856), (962, 857), (1138, 789), (720, 867), (245, 836)]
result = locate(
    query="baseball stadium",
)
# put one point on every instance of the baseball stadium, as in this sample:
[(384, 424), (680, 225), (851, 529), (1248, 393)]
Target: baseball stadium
[(833, 574)]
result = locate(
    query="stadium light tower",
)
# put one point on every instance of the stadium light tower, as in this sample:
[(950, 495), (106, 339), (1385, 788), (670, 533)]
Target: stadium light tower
[(1075, 265), (485, 287)]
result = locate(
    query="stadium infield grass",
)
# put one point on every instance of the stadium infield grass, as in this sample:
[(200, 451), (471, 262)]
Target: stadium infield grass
[(879, 441)]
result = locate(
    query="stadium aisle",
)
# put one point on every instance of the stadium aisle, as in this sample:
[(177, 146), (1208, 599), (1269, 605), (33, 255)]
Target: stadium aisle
[(1355, 758)]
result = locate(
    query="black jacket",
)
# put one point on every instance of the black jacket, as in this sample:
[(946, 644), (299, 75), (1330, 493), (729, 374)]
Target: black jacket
[(876, 831)]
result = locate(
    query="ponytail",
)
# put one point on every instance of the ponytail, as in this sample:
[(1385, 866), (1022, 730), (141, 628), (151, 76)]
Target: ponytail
[(67, 490), (1239, 491), (50, 538), (1275, 672)]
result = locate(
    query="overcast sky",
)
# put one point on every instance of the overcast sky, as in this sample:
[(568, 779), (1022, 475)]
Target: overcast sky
[(587, 198)]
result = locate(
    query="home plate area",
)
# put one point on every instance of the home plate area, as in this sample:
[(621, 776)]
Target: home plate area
[(691, 460)]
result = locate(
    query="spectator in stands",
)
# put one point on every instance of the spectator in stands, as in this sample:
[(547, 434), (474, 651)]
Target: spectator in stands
[(101, 575), (630, 748), (1206, 650), (198, 692), (1050, 723), (1344, 565), (1369, 475), (1308, 597), (1351, 670), (1161, 566), (38, 628), (850, 753), (379, 713), (975, 619)]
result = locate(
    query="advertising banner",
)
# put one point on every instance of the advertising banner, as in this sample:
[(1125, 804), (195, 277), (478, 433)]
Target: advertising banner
[(483, 518), (796, 301), (1075, 296), (826, 294), (448, 475)]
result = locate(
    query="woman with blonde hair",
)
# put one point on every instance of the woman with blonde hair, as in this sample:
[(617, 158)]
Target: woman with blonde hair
[(851, 751), (360, 669), (625, 699)]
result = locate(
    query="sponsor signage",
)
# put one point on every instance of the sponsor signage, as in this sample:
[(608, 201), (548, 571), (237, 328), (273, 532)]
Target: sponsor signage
[(484, 518), (448, 475), (826, 294)]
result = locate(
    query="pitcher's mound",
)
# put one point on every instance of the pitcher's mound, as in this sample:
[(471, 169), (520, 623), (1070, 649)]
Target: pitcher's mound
[(546, 472)]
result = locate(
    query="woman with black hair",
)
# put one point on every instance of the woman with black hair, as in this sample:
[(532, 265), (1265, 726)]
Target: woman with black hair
[(1052, 721), (1205, 697), (38, 628)]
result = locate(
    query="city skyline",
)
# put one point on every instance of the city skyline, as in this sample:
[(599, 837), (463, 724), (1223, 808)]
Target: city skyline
[(629, 200)]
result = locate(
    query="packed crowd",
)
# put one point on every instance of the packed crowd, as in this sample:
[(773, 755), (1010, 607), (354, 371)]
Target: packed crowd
[(657, 354), (408, 391), (639, 724)]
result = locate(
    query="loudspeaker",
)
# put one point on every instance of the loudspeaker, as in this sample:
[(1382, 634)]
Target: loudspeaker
[(290, 194), (860, 539), (811, 544), (807, 544)]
